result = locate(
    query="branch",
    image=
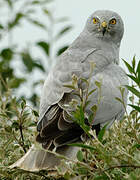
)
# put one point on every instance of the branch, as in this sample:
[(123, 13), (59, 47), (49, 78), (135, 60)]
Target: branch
[(121, 166), (21, 133)]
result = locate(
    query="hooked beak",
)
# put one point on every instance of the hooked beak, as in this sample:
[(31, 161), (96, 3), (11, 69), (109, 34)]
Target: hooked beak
[(104, 27)]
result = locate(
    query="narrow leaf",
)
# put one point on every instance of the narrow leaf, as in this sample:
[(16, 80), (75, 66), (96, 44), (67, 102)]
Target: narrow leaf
[(118, 99), (92, 91), (37, 23), (94, 108), (130, 69), (138, 71), (82, 146), (39, 66), (47, 12), (63, 31), (45, 46), (138, 67), (1, 26), (61, 50), (133, 63), (10, 4), (35, 113), (101, 133), (28, 61), (7, 54), (69, 86), (137, 108), (134, 91), (98, 84), (80, 155), (134, 79), (91, 118), (16, 21)]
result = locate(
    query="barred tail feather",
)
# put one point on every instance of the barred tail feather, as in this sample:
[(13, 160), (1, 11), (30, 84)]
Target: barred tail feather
[(38, 159)]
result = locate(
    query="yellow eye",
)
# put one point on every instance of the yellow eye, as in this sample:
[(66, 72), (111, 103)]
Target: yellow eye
[(95, 21), (113, 21)]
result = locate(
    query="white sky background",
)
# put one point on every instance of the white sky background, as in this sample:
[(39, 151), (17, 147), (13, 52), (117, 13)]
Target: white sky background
[(78, 11)]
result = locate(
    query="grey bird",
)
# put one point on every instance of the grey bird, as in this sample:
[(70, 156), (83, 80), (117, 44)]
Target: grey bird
[(98, 43)]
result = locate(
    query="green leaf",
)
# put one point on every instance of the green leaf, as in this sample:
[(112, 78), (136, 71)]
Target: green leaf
[(8, 129), (84, 80), (82, 146), (130, 69), (35, 2), (63, 31), (36, 23), (47, 12), (87, 103), (9, 2), (138, 71), (24, 100), (80, 155), (134, 79), (61, 50), (91, 118), (28, 61), (136, 146), (15, 125), (137, 108), (92, 91), (45, 47), (39, 66), (69, 86), (16, 82), (35, 113), (94, 108), (16, 21), (134, 91), (1, 26), (120, 100), (32, 124), (134, 63), (98, 84), (7, 54), (3, 115), (101, 133), (23, 104), (138, 67)]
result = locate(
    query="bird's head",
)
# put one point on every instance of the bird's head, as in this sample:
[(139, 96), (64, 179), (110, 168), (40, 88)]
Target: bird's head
[(105, 24)]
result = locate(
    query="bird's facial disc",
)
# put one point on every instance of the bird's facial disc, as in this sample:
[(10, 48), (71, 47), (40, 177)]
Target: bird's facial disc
[(104, 26)]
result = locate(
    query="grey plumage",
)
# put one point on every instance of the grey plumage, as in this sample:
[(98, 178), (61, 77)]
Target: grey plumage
[(99, 43)]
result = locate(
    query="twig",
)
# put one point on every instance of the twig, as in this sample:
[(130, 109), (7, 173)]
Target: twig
[(3, 82), (21, 133), (121, 166)]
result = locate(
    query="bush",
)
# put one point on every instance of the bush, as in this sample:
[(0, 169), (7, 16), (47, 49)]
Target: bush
[(114, 154)]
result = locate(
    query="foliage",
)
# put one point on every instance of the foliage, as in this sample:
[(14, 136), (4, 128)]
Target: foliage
[(17, 14), (114, 154)]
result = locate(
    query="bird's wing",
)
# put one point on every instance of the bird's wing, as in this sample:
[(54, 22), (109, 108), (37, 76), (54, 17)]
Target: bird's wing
[(55, 123), (68, 64)]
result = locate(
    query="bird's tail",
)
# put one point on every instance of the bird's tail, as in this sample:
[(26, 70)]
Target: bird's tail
[(38, 159)]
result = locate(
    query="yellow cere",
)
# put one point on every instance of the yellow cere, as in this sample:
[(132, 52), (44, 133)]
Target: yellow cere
[(95, 20), (113, 21), (104, 24)]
